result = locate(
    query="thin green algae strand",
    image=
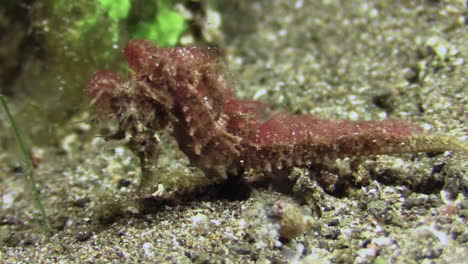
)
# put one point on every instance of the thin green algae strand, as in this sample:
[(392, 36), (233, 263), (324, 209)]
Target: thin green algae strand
[(28, 167)]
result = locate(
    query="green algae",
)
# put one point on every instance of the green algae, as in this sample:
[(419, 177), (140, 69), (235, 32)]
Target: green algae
[(116, 9), (165, 26), (28, 168), (71, 40)]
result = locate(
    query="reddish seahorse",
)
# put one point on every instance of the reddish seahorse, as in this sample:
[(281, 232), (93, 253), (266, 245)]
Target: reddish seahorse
[(187, 89)]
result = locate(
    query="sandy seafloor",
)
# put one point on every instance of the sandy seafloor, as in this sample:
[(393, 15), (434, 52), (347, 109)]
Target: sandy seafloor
[(357, 60)]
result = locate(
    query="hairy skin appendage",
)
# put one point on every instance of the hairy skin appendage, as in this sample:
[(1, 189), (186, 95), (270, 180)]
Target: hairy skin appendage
[(187, 90)]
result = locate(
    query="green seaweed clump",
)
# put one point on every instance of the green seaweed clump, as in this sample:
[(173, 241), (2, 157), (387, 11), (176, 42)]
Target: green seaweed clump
[(163, 25), (70, 41)]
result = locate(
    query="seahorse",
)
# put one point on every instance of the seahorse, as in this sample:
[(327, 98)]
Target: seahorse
[(189, 90)]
